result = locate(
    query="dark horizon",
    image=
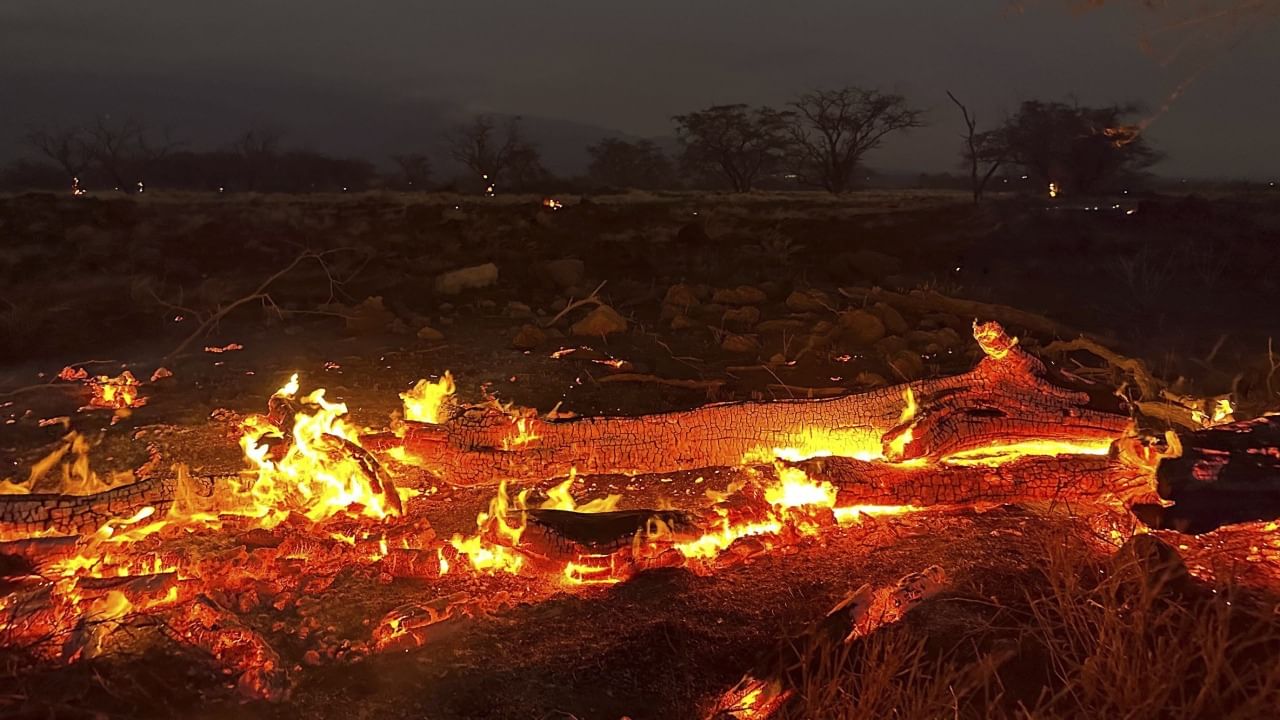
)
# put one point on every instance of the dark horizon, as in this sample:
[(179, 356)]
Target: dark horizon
[(371, 81)]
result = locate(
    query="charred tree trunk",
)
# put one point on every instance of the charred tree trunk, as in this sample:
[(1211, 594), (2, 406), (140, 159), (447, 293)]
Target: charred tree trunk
[(1224, 475), (1008, 398)]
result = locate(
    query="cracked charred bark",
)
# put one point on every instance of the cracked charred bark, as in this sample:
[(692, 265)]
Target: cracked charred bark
[(1007, 398)]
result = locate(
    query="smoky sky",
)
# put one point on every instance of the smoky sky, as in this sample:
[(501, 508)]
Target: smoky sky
[(628, 67)]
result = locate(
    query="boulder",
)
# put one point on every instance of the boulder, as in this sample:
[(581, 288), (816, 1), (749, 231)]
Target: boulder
[(601, 321), (740, 343), (893, 321), (861, 327), (529, 337), (808, 301), (741, 295), (565, 272), (430, 334), (743, 317), (468, 278)]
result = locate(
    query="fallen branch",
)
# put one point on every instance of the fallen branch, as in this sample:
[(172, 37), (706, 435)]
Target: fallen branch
[(929, 301), (592, 299)]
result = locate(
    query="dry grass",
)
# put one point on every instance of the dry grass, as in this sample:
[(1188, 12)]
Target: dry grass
[(1085, 637)]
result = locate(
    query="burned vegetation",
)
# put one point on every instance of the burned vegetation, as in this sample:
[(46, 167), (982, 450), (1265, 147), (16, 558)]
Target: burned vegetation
[(652, 455)]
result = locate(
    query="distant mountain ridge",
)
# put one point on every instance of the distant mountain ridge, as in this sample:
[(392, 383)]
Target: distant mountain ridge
[(209, 113)]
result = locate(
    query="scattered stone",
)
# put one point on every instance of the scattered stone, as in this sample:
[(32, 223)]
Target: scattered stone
[(893, 321), (906, 364), (370, 317), (565, 272), (823, 327), (739, 343), (1146, 563), (781, 325), (743, 317), (683, 322), (468, 278), (890, 344), (518, 311), (681, 296), (529, 337), (861, 327), (604, 320), (868, 379), (741, 295), (430, 334), (808, 301)]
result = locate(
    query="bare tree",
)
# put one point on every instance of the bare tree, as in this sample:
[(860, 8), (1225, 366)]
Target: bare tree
[(833, 129), (734, 142), (114, 147), (493, 154), (415, 170), (257, 149), (65, 146), (981, 149)]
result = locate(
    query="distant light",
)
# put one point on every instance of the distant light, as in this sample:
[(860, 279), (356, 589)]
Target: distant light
[(1024, 177)]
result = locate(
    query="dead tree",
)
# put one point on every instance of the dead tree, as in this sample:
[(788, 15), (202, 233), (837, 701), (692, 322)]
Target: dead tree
[(832, 129), (114, 148), (490, 154), (980, 149), (66, 146)]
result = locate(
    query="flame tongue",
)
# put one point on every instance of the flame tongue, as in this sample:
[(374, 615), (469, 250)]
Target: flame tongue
[(312, 467)]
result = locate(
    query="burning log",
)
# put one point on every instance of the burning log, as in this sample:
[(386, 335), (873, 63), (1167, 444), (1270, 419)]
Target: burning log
[(241, 651), (43, 512), (1225, 474), (1085, 479), (1006, 400), (28, 515)]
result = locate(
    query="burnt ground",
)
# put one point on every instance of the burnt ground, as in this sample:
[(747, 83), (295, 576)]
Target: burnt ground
[(1183, 283)]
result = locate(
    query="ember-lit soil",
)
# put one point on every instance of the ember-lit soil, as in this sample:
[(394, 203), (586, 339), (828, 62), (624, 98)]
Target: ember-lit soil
[(110, 285)]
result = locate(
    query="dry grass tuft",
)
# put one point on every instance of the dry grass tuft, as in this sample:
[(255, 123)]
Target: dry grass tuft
[(1132, 636)]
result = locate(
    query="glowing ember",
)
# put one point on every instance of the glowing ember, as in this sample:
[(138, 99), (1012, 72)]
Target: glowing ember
[(116, 393), (552, 204)]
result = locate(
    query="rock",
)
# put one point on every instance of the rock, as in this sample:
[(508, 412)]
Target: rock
[(893, 321), (890, 344), (741, 295), (771, 288), (861, 327), (681, 295), (683, 322), (1147, 563), (823, 327), (430, 334), (529, 337), (743, 317), (468, 278), (781, 325), (809, 301), (604, 320), (906, 364), (739, 343), (565, 272), (370, 317), (518, 311), (869, 379)]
